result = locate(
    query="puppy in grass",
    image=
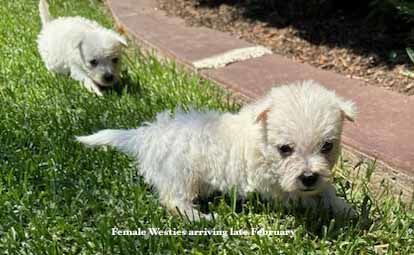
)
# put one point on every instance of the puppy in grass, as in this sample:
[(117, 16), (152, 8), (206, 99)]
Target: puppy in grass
[(80, 47), (283, 146)]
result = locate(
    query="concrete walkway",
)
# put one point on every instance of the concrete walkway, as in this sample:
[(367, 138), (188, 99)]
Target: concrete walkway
[(384, 129)]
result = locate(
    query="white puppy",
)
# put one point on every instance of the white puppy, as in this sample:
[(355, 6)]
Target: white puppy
[(80, 47), (283, 146)]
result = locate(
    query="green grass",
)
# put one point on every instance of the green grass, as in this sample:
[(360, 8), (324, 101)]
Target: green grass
[(58, 197)]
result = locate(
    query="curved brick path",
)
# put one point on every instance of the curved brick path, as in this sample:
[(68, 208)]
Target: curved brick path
[(384, 129)]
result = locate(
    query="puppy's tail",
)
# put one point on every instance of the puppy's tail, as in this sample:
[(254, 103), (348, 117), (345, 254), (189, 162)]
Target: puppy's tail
[(125, 140), (44, 12)]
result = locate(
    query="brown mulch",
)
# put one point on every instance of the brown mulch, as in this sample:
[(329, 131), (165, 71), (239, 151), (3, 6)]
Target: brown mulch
[(334, 41)]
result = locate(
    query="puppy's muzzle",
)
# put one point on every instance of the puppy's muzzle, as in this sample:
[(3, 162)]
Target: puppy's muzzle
[(108, 77), (309, 179)]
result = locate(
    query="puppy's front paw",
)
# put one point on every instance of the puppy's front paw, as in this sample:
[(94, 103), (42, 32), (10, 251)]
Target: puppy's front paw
[(342, 209), (98, 93), (92, 87)]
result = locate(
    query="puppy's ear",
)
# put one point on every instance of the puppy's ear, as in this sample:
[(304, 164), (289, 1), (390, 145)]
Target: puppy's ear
[(120, 36), (262, 120), (262, 117), (121, 29), (122, 40), (348, 109)]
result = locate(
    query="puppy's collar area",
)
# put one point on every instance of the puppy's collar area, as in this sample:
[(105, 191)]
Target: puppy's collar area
[(84, 61), (82, 56)]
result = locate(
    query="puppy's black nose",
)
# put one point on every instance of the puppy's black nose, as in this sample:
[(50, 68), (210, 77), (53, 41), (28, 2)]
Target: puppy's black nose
[(108, 77), (309, 179)]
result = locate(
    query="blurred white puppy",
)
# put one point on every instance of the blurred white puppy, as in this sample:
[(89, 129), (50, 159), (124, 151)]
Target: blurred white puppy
[(283, 146), (80, 47)]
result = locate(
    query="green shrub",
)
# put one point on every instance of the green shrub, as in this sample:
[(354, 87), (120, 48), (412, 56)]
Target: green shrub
[(396, 9), (405, 8)]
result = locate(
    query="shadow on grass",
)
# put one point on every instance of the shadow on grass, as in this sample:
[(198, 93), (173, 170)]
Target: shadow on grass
[(378, 32), (319, 223), (127, 84)]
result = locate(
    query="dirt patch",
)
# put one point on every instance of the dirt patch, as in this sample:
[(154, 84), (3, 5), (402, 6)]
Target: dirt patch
[(327, 37)]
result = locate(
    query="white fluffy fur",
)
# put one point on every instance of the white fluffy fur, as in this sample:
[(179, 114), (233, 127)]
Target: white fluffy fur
[(67, 45), (195, 153)]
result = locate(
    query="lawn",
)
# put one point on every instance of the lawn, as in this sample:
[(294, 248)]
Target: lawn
[(57, 197)]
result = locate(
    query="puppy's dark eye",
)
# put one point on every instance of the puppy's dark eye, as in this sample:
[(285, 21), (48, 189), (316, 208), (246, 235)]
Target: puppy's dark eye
[(285, 150), (326, 147), (115, 60), (93, 62)]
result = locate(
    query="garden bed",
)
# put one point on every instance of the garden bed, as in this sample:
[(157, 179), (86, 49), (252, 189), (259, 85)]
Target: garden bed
[(328, 38)]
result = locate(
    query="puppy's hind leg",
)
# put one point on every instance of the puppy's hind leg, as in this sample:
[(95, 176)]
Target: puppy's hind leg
[(186, 209), (180, 201)]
